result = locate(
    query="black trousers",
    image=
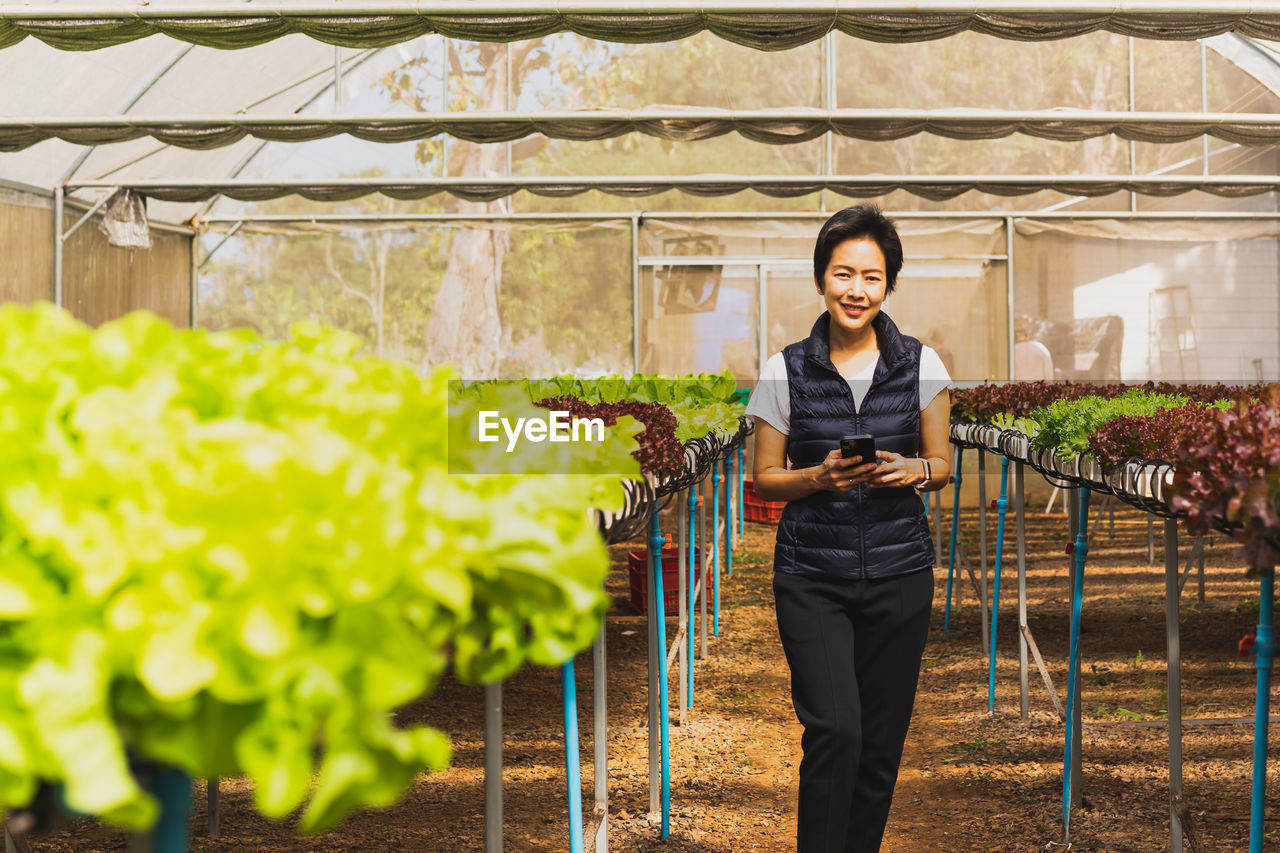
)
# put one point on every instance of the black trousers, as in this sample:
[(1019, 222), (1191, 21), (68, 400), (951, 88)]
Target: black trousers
[(854, 648)]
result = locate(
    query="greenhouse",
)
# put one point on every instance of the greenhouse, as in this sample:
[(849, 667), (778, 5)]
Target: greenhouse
[(330, 213)]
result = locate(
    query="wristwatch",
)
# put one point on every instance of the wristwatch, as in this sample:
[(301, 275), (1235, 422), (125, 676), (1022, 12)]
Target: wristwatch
[(923, 485)]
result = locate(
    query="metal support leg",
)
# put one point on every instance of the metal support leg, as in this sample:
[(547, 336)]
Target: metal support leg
[(1264, 648), (715, 548), (937, 525), (1019, 498), (728, 518), (955, 526), (683, 659), (600, 741), (574, 771), (172, 789), (493, 767), (982, 548), (215, 809), (1151, 540), (702, 566), (1071, 762), (695, 572), (742, 490), (1002, 505), (1173, 680)]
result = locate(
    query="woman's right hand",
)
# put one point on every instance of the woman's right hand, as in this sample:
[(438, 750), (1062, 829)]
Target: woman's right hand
[(837, 474)]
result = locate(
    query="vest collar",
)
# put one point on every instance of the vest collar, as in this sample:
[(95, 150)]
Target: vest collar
[(817, 347)]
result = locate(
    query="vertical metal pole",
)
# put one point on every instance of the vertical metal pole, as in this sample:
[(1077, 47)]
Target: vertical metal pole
[(1173, 680), (1151, 540), (982, 546), (683, 659), (658, 612), (574, 771), (1200, 584), (937, 525), (193, 283), (1264, 648), (742, 482), (337, 79), (1204, 104), (493, 766), (715, 548), (1019, 497), (1133, 146), (59, 195), (702, 564), (728, 514), (444, 105), (1008, 288), (653, 565), (215, 809), (695, 572), (9, 845), (635, 293), (172, 789), (762, 317), (600, 739), (955, 526), (1071, 753), (829, 101), (1002, 505)]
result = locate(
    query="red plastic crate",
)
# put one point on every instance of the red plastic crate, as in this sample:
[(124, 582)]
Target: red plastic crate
[(639, 570), (755, 509)]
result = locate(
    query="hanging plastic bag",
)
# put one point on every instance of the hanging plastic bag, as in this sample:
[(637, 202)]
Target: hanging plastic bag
[(124, 220)]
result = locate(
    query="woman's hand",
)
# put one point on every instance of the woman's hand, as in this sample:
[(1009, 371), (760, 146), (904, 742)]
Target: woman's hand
[(896, 471), (837, 474)]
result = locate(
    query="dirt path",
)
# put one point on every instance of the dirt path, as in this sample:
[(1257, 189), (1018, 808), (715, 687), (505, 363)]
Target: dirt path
[(970, 781)]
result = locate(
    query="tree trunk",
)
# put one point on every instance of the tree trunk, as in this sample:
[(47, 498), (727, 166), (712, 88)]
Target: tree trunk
[(465, 327)]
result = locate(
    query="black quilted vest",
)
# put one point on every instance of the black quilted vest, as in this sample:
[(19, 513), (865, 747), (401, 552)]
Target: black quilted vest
[(864, 532)]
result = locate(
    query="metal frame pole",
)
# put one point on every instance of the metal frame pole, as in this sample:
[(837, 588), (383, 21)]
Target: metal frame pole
[(59, 201), (1002, 504), (703, 565), (635, 293), (715, 548), (955, 524), (695, 571), (600, 740), (1019, 498), (742, 487), (493, 766), (1173, 680), (193, 282), (982, 547), (683, 658), (728, 512), (1133, 146), (653, 567), (1009, 300)]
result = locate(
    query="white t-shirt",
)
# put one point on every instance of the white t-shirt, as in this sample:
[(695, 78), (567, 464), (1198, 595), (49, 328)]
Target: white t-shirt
[(771, 399)]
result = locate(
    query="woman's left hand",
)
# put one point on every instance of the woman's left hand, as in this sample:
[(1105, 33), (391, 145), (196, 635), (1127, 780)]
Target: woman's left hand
[(896, 471)]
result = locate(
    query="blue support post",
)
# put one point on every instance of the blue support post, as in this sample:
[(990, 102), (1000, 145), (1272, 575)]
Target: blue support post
[(1071, 755), (692, 624), (658, 611), (568, 689), (715, 549), (728, 514), (955, 527), (1264, 648), (1002, 507), (172, 790)]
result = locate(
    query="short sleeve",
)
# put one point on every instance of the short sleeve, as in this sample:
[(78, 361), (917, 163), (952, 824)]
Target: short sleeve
[(771, 399), (934, 378)]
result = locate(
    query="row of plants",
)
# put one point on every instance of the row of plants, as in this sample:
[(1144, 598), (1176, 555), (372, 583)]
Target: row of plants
[(233, 556), (1222, 442)]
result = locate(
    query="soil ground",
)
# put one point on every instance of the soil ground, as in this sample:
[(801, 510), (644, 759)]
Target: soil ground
[(970, 780)]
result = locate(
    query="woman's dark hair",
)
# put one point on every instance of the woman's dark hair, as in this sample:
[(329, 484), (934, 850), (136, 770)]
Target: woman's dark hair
[(858, 223)]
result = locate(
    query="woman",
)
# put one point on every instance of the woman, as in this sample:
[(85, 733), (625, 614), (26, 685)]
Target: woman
[(853, 579)]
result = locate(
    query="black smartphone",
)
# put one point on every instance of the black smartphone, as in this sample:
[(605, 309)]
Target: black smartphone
[(859, 445)]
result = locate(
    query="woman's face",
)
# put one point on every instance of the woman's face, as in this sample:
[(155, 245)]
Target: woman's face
[(854, 284)]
